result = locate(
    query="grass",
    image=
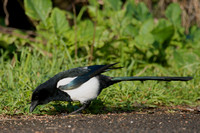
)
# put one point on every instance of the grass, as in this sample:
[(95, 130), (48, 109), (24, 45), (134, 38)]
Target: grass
[(21, 75)]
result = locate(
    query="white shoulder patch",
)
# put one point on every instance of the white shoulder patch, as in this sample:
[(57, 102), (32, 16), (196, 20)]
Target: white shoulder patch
[(85, 67), (64, 81)]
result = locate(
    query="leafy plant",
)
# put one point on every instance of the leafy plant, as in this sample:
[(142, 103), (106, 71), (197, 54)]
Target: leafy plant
[(118, 31)]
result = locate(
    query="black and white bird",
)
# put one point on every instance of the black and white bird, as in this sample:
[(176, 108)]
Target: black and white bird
[(83, 84)]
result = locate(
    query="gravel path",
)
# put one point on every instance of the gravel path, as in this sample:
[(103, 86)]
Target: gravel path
[(114, 122)]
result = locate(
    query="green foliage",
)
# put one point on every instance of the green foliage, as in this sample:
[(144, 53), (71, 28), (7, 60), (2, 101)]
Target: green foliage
[(163, 31), (114, 4), (128, 28), (173, 13), (38, 9), (60, 24), (122, 32)]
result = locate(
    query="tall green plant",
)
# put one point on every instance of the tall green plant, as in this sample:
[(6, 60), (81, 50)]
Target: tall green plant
[(128, 28)]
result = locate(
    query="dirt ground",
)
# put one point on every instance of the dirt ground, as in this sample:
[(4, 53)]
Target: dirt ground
[(148, 121)]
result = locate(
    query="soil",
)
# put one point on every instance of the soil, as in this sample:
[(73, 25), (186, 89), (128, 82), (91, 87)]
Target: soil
[(146, 121)]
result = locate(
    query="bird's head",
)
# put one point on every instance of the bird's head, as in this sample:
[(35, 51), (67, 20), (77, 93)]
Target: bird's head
[(41, 95), (46, 93)]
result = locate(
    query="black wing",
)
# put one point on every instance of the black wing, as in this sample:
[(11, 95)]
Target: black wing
[(91, 72)]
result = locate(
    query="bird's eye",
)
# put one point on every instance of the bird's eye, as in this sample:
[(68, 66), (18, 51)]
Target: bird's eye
[(36, 97)]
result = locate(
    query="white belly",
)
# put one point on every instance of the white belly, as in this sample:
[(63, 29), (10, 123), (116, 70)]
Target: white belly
[(87, 91)]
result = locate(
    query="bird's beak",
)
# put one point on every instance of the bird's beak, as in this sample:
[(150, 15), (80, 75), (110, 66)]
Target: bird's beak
[(33, 105)]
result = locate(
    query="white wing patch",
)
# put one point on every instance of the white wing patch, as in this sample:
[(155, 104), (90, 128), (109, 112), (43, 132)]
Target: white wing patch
[(85, 68), (64, 81), (87, 91)]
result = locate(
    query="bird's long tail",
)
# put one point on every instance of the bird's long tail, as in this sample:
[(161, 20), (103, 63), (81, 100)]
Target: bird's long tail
[(118, 79)]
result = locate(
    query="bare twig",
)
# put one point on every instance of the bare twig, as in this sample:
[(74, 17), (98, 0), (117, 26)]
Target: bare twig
[(5, 2), (29, 34), (93, 41), (75, 30)]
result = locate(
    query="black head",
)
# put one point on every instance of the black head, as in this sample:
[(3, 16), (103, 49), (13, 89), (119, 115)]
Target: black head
[(41, 95), (44, 94)]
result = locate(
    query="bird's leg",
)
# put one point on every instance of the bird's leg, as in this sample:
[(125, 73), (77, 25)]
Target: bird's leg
[(85, 105)]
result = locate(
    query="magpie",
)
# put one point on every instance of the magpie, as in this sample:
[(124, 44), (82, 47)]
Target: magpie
[(83, 84)]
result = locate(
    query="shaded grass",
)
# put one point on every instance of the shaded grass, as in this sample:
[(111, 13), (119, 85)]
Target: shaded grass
[(21, 75)]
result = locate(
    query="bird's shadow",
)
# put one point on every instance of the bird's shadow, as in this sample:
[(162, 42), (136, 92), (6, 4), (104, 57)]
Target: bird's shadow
[(96, 107)]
